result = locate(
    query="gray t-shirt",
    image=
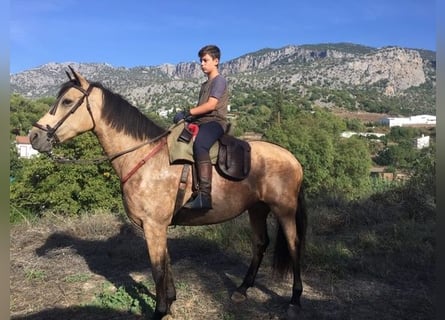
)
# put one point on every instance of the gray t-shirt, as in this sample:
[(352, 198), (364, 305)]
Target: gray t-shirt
[(217, 88)]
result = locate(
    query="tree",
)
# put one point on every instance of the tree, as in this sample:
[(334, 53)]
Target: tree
[(24, 112), (330, 164), (402, 155), (351, 167), (355, 125), (403, 134), (69, 189)]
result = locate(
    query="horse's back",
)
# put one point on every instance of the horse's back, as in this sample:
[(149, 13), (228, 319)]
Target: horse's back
[(270, 154), (275, 168)]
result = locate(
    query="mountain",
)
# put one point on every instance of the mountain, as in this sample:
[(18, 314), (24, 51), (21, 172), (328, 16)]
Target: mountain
[(391, 72)]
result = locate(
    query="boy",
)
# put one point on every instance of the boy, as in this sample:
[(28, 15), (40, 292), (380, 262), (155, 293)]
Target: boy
[(210, 116)]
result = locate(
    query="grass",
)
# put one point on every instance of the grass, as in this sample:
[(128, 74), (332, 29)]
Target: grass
[(78, 277), (17, 215), (133, 299), (35, 274), (391, 234), (232, 236), (386, 238)]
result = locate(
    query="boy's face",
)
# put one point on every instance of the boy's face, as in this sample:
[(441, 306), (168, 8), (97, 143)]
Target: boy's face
[(208, 64)]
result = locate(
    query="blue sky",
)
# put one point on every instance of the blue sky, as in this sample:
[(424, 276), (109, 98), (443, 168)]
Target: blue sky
[(134, 33)]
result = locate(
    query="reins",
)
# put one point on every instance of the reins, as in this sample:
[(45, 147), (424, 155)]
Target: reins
[(144, 160), (64, 160), (152, 152)]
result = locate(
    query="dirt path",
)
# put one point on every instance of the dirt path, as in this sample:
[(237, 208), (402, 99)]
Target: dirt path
[(58, 268)]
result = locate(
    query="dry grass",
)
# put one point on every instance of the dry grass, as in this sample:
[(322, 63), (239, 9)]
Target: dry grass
[(365, 260)]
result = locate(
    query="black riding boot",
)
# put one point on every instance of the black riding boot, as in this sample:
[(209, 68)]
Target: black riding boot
[(203, 199)]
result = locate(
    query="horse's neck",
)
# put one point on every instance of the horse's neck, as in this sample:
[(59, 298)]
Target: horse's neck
[(123, 150)]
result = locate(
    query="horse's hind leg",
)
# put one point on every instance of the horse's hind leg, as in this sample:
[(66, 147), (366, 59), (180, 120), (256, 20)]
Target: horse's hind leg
[(290, 238), (294, 308), (260, 240)]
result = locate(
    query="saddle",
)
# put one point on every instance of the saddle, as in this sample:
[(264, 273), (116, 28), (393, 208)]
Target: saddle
[(233, 158), (230, 156)]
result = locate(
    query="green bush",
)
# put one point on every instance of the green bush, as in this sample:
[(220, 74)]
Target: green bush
[(41, 184)]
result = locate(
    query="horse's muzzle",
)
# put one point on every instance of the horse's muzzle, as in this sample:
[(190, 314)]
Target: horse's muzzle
[(40, 141)]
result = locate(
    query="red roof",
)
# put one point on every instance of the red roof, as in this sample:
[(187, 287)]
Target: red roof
[(22, 139)]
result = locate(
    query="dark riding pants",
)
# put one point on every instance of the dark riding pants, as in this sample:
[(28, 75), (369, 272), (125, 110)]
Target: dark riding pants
[(208, 134)]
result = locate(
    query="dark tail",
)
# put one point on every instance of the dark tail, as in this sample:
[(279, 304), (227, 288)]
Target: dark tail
[(282, 262)]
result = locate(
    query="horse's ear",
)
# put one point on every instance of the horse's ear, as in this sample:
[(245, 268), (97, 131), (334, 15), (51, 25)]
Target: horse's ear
[(69, 76), (81, 80)]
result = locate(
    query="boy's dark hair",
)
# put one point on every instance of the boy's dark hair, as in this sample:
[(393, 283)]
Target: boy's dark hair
[(211, 50)]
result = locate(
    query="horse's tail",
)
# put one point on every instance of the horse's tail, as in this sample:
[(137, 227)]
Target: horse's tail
[(282, 261)]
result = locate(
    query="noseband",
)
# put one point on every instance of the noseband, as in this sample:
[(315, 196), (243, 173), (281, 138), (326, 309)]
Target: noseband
[(51, 131)]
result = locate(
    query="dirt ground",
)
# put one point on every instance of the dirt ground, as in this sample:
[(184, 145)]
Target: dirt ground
[(57, 269)]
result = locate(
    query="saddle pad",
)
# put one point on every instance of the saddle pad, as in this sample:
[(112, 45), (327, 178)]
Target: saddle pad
[(180, 151)]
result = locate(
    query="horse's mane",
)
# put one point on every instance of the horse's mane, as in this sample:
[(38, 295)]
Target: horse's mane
[(121, 115)]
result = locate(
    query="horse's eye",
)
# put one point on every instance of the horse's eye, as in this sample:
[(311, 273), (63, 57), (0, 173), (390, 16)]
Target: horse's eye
[(67, 102)]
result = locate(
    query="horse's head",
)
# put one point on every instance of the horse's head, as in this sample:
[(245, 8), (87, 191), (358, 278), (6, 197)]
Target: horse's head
[(70, 115)]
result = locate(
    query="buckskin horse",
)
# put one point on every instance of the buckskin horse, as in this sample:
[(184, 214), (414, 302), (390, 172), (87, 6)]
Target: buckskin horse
[(138, 152)]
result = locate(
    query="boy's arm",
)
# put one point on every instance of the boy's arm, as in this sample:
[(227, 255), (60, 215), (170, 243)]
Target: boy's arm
[(206, 107)]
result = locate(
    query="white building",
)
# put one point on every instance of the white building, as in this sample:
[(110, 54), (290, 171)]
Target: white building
[(423, 119), (348, 134), (422, 142), (24, 147)]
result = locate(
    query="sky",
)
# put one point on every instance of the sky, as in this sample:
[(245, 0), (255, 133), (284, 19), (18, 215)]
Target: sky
[(130, 33)]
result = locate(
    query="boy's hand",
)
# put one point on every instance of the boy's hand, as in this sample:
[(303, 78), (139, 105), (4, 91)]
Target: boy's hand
[(182, 115), (179, 116)]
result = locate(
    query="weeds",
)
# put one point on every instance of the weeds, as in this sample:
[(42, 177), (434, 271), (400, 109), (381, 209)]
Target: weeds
[(35, 275), (18, 215), (233, 235), (387, 239), (389, 235), (133, 299), (78, 277)]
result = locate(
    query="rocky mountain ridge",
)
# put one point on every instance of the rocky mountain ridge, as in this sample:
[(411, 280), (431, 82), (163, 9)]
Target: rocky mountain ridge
[(393, 70)]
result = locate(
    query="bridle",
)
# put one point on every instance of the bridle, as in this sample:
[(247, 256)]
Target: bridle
[(53, 139), (51, 131)]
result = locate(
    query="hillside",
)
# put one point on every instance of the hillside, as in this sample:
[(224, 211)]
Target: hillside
[(393, 75)]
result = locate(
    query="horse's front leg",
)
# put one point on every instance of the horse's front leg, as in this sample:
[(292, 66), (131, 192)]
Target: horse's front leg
[(171, 290), (156, 238)]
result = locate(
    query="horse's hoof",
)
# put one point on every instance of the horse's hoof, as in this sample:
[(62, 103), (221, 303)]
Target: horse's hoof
[(293, 312), (161, 316), (173, 309), (238, 297)]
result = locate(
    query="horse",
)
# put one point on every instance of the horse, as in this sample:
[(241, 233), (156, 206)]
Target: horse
[(137, 149)]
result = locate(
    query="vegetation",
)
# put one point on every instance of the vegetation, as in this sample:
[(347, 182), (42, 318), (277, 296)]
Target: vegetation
[(123, 300), (332, 165), (384, 243), (416, 100), (345, 47), (365, 235), (399, 151), (358, 228)]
